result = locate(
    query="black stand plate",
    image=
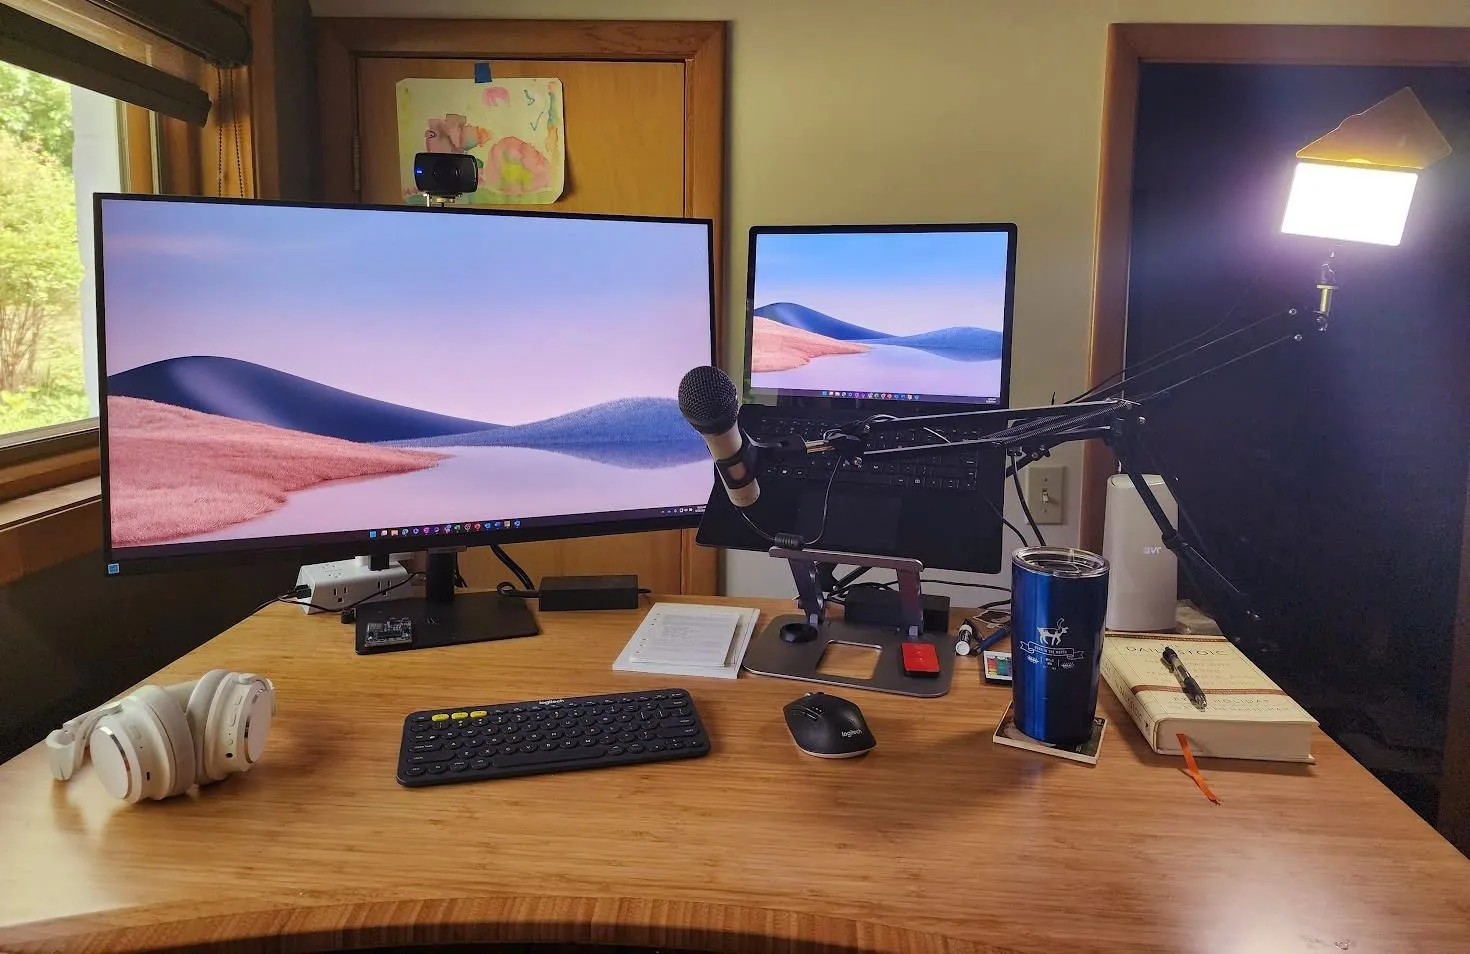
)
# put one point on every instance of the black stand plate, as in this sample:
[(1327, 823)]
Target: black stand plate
[(443, 617)]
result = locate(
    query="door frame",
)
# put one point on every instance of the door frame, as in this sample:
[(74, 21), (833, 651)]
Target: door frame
[(700, 45), (1130, 44)]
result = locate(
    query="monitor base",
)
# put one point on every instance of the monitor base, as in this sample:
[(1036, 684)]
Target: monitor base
[(396, 625)]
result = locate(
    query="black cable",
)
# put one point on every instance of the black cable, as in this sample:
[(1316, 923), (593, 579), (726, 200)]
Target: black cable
[(292, 599), (846, 582), (752, 525), (821, 527), (512, 566), (1025, 507), (1141, 366), (826, 499), (1002, 517), (978, 586), (995, 603), (1289, 336), (1185, 356)]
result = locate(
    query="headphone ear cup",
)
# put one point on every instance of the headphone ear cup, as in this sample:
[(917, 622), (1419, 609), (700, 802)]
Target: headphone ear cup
[(131, 751), (202, 697), (239, 723), (177, 761)]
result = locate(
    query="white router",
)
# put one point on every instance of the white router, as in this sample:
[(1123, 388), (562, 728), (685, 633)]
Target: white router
[(1143, 575)]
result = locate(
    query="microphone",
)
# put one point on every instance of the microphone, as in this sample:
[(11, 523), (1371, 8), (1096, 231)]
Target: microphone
[(708, 401)]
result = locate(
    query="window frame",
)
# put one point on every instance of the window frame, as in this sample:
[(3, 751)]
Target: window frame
[(163, 155)]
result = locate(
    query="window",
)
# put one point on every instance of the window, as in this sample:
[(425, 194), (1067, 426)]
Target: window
[(58, 145)]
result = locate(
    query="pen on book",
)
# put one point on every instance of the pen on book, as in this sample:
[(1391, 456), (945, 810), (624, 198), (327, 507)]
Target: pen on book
[(1187, 682)]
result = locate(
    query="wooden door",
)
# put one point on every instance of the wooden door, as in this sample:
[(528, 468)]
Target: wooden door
[(644, 121)]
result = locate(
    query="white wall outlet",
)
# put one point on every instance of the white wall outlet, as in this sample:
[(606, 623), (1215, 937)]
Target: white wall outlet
[(1046, 488)]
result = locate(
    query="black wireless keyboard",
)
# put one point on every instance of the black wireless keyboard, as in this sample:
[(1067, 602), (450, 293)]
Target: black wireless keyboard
[(475, 743)]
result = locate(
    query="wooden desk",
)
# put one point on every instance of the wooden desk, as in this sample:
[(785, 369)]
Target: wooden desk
[(939, 840)]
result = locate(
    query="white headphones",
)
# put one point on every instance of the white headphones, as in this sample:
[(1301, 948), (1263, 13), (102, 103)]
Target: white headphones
[(160, 742)]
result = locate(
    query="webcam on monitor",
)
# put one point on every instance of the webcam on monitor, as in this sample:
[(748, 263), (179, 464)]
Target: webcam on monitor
[(445, 176)]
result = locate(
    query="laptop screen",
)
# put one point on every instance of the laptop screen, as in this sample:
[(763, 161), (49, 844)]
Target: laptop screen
[(897, 313)]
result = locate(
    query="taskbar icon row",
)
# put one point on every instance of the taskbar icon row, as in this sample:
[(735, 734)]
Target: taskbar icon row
[(439, 529)]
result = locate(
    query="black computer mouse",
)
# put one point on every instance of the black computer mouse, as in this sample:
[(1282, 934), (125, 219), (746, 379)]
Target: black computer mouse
[(828, 727)]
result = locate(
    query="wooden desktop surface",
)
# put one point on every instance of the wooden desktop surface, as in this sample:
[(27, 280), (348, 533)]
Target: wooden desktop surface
[(938, 840)]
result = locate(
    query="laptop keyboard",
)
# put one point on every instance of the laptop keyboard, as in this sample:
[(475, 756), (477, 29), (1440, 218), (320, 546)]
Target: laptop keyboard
[(955, 471)]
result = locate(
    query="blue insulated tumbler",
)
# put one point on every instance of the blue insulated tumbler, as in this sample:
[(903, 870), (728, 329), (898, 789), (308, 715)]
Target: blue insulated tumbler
[(1059, 598)]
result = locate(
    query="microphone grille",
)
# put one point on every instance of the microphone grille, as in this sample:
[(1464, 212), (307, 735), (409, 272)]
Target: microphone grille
[(708, 400)]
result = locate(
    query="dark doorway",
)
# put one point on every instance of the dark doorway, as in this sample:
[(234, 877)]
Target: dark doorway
[(1327, 477)]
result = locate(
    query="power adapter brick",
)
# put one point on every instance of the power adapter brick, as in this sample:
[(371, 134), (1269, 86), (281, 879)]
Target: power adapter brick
[(865, 604), (561, 593)]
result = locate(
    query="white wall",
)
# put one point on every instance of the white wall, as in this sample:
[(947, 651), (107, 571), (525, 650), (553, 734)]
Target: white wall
[(929, 110)]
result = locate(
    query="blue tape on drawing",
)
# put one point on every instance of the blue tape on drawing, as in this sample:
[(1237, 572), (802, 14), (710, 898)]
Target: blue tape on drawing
[(482, 72)]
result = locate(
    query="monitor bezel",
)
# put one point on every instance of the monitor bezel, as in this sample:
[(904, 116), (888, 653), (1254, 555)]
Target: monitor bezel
[(773, 397), (286, 549)]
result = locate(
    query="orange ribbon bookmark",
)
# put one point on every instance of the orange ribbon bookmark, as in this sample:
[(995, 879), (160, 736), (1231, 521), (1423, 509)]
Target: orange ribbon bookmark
[(1192, 769)]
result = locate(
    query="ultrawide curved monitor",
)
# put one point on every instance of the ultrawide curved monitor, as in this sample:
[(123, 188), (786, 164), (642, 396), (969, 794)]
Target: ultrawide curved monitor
[(335, 380)]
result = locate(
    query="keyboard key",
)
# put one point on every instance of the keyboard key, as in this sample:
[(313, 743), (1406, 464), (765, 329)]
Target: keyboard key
[(424, 758), (615, 750), (458, 766), (449, 734), (674, 744), (528, 746), (683, 720), (438, 768), (454, 745), (547, 746), (549, 758), (680, 732), (414, 770), (509, 749), (656, 746), (426, 747), (440, 717), (635, 747), (554, 736), (459, 715), (588, 743), (627, 737), (478, 714), (567, 744), (480, 763)]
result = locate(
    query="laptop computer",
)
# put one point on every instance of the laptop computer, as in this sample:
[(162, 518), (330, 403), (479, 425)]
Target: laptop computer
[(844, 322)]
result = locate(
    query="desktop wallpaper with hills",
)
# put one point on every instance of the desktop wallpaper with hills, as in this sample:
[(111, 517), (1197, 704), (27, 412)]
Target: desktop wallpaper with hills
[(278, 371), (910, 312)]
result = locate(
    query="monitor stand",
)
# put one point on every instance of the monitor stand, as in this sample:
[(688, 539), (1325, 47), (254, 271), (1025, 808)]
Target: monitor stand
[(442, 617)]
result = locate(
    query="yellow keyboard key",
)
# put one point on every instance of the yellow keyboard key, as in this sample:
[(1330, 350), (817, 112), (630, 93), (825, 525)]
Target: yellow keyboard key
[(460, 715), (439, 717), (478, 714)]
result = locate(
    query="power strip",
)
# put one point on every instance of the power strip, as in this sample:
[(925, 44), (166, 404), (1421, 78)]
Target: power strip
[(342, 583)]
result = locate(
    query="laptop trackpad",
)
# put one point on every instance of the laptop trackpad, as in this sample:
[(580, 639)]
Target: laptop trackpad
[(859, 522)]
